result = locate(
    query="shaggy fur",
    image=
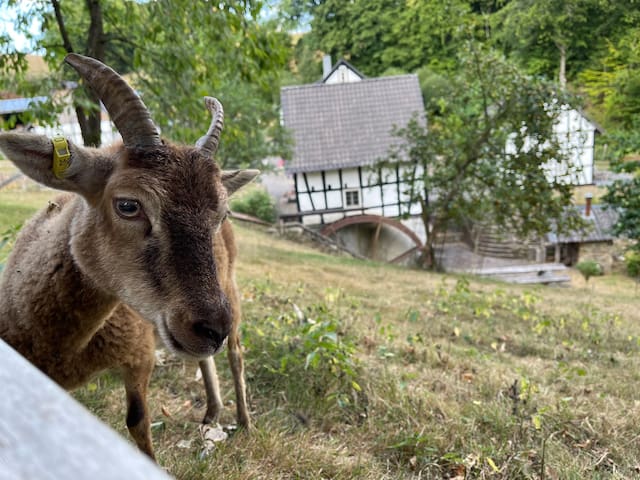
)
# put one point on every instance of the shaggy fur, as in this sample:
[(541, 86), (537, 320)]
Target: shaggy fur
[(84, 284)]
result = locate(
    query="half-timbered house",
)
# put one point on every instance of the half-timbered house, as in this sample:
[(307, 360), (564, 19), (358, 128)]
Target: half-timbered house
[(341, 127)]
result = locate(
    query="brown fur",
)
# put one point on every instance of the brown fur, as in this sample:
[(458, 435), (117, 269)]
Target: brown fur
[(82, 285)]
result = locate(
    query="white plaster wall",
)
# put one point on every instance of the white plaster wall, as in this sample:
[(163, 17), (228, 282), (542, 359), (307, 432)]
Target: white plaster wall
[(342, 75), (72, 131), (371, 195), (350, 178), (576, 136)]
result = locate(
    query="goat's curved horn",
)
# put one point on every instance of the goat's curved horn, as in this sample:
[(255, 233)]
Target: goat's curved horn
[(209, 142), (129, 114)]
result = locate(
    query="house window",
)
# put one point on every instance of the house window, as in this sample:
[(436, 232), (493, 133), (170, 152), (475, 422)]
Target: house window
[(352, 198)]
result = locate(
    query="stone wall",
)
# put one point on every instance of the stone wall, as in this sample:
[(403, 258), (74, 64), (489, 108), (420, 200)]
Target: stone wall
[(601, 252)]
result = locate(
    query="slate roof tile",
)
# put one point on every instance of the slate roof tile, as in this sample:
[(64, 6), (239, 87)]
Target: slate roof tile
[(347, 124)]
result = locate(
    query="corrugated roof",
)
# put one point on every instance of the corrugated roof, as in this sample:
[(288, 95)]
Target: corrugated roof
[(18, 105), (600, 227), (347, 124)]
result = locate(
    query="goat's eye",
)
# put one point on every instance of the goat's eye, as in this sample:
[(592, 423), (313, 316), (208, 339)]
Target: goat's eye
[(127, 208)]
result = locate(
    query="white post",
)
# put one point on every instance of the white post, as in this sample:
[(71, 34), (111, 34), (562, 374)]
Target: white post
[(45, 434)]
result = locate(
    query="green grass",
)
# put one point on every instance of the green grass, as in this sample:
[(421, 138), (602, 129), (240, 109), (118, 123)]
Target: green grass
[(399, 373), (18, 202)]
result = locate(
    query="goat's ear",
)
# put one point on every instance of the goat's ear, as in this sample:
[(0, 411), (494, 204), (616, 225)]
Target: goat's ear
[(235, 179), (86, 174)]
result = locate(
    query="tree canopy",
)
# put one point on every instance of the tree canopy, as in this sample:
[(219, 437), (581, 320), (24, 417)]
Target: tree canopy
[(175, 52), (483, 157), (590, 43), (588, 48)]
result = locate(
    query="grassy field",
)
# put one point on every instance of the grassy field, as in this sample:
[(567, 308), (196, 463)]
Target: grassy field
[(398, 373)]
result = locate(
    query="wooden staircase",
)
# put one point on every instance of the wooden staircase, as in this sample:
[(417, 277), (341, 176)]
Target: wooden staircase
[(489, 241)]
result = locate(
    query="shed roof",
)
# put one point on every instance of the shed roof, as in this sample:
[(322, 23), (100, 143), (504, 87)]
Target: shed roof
[(347, 124), (18, 105), (599, 227)]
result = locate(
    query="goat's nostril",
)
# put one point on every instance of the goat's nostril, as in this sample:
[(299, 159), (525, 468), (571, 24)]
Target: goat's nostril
[(205, 331)]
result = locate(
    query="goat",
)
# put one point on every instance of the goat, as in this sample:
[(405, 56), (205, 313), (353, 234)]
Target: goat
[(141, 240)]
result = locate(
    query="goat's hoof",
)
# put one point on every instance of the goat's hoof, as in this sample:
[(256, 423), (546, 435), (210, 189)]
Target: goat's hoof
[(246, 426), (209, 419)]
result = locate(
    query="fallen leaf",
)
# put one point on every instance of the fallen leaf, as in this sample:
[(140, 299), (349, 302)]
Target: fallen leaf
[(165, 411), (413, 461), (161, 357), (459, 471), (298, 313), (492, 464), (467, 377), (211, 434), (198, 375), (214, 433), (184, 444)]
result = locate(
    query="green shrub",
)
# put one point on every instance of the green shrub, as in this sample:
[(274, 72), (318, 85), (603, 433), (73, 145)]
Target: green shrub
[(257, 202), (632, 263), (7, 238), (589, 268), (311, 349)]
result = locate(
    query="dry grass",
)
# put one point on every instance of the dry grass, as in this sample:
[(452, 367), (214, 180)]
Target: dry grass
[(436, 361), (430, 376)]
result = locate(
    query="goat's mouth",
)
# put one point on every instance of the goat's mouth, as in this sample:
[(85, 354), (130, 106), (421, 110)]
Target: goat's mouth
[(179, 349)]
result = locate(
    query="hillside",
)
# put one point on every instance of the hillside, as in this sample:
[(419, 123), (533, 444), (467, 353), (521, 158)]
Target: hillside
[(399, 373), (363, 370)]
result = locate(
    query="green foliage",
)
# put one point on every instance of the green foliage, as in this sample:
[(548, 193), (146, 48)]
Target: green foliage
[(482, 157), (623, 195), (257, 202), (177, 52), (600, 57), (589, 268), (590, 327), (539, 33), (309, 356), (7, 238), (613, 83), (377, 35), (632, 264), (435, 87)]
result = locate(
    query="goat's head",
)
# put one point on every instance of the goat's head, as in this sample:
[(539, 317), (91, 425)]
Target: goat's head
[(144, 230)]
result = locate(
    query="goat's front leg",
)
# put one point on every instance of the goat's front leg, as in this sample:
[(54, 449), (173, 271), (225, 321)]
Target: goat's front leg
[(237, 369), (212, 389), (136, 383)]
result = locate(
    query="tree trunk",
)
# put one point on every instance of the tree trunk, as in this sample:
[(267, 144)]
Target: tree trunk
[(95, 49), (562, 77), (428, 260), (88, 118)]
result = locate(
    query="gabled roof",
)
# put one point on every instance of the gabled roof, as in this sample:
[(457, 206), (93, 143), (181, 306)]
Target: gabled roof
[(342, 63), (347, 124)]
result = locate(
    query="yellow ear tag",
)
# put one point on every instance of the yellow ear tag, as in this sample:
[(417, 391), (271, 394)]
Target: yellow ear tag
[(61, 156)]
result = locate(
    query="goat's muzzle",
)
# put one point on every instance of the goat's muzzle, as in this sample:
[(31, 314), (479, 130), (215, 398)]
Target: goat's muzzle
[(199, 333)]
